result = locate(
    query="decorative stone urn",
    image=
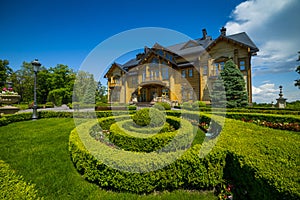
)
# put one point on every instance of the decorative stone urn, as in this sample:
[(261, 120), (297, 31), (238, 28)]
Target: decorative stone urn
[(9, 99)]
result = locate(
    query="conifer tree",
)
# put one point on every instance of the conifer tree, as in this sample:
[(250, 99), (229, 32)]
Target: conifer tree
[(234, 83)]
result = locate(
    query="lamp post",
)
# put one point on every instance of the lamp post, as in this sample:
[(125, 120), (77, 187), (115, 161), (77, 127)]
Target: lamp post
[(36, 65)]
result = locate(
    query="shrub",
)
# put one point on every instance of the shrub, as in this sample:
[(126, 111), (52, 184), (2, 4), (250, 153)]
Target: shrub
[(131, 107), (49, 105), (134, 141), (129, 125), (149, 117), (60, 96), (188, 171), (198, 104), (13, 186), (162, 106), (186, 105)]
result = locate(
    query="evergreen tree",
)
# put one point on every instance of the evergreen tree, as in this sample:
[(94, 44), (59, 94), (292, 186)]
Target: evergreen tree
[(234, 83), (5, 70)]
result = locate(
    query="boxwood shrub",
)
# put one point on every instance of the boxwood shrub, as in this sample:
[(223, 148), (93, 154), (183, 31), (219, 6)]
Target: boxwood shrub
[(13, 186), (129, 125), (188, 172), (131, 141), (263, 163)]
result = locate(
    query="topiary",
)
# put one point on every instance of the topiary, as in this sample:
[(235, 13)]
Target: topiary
[(149, 117), (162, 106), (197, 104)]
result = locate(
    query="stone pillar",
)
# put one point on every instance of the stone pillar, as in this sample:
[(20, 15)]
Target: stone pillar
[(281, 102)]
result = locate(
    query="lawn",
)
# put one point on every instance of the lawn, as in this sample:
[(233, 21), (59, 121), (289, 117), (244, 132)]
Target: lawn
[(38, 150)]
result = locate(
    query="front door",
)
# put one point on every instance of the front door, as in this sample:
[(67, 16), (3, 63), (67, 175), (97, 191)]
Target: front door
[(153, 93), (143, 96)]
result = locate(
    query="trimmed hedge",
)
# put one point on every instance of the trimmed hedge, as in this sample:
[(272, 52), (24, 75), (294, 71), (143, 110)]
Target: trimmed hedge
[(149, 117), (263, 163), (129, 125), (130, 141), (189, 171), (13, 186), (284, 122)]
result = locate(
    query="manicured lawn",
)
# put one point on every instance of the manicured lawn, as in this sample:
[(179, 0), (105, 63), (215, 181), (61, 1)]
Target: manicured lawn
[(38, 150)]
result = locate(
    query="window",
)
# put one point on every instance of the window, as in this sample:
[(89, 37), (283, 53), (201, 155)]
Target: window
[(144, 75), (156, 73), (191, 94), (165, 72), (183, 73), (190, 72), (160, 52), (222, 65), (205, 70), (216, 71), (154, 60), (134, 80), (242, 65)]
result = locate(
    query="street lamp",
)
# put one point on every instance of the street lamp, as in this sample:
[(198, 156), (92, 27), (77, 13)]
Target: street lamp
[(36, 65)]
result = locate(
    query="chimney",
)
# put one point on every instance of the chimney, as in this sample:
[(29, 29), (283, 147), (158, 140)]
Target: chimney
[(223, 31), (204, 33)]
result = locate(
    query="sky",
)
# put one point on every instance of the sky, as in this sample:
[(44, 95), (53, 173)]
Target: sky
[(65, 32)]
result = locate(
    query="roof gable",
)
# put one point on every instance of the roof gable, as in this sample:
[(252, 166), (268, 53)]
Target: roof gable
[(240, 38)]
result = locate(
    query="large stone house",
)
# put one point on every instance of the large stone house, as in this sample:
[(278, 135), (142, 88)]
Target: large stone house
[(181, 72)]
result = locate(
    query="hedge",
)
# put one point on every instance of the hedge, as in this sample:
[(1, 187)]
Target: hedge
[(169, 141), (129, 125), (189, 171), (263, 163), (13, 186), (284, 122)]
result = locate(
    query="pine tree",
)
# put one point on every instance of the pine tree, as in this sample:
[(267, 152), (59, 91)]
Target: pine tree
[(234, 83)]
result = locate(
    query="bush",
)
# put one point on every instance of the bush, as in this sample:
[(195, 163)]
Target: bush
[(186, 105), (60, 96), (49, 105), (13, 186), (129, 125), (131, 107), (135, 141), (198, 104), (188, 171), (149, 117), (162, 106), (266, 158)]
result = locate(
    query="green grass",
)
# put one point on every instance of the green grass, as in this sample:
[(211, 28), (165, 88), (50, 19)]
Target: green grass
[(38, 150)]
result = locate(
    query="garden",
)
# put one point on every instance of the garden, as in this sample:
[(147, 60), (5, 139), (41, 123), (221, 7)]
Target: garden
[(50, 159)]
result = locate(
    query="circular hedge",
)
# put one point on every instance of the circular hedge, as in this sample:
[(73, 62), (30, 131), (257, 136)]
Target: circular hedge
[(149, 117)]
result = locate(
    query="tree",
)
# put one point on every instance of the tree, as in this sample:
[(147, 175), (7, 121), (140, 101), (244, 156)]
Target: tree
[(101, 93), (60, 84), (297, 83), (23, 82), (5, 71), (234, 83), (84, 88)]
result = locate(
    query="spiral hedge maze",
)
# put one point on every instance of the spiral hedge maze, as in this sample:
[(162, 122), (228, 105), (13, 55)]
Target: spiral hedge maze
[(261, 162), (144, 161)]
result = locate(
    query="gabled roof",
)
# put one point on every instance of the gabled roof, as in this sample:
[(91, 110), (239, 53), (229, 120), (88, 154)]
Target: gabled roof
[(115, 64), (240, 38), (244, 39), (193, 47)]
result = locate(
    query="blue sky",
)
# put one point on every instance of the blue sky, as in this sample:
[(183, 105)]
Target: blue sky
[(65, 32)]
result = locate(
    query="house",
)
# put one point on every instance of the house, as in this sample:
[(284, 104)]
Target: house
[(181, 72)]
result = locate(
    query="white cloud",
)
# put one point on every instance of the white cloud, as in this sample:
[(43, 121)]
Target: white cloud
[(264, 93), (274, 26)]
